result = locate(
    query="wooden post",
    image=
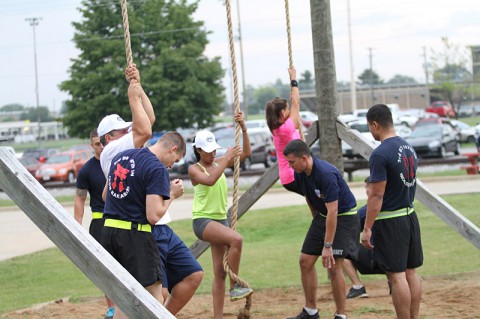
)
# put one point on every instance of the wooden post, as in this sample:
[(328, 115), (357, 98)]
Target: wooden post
[(325, 82), (75, 242)]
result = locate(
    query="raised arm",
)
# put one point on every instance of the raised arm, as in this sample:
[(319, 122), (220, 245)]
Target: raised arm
[(141, 125), (132, 73), (294, 97), (197, 175)]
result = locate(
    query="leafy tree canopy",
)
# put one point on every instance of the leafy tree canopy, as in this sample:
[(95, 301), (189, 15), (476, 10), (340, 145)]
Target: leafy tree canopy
[(401, 79), (12, 107), (167, 45), (450, 63), (369, 77)]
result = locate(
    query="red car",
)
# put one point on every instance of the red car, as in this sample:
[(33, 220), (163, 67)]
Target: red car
[(442, 108), (63, 166), (30, 163)]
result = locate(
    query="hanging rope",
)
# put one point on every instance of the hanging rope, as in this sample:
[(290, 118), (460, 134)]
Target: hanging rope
[(244, 313), (126, 32), (290, 57)]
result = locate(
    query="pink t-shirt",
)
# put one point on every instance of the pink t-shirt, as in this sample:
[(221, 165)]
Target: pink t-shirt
[(281, 136)]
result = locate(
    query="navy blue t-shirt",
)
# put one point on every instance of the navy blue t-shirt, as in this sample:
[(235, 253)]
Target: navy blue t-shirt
[(91, 178), (325, 185), (395, 161), (133, 175)]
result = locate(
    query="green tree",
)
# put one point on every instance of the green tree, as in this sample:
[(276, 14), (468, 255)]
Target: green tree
[(261, 96), (12, 107), (31, 114), (452, 80), (369, 77), (401, 79), (306, 81), (167, 45)]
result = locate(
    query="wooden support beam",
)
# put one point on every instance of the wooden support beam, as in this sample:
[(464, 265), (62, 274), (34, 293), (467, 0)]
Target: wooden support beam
[(75, 242), (260, 187), (437, 205)]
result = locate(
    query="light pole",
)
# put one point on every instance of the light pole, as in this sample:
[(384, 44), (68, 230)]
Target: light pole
[(34, 23), (353, 89)]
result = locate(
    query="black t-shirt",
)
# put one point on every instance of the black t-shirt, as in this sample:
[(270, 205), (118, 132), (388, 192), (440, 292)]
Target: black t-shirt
[(395, 161), (91, 178)]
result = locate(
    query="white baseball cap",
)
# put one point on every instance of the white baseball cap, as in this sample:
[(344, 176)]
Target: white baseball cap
[(206, 141), (110, 123)]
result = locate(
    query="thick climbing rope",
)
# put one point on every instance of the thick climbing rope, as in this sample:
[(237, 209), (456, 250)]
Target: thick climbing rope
[(244, 313), (126, 32), (290, 57)]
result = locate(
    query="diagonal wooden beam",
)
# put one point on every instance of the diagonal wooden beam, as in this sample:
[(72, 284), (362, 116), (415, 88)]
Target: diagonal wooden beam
[(75, 242)]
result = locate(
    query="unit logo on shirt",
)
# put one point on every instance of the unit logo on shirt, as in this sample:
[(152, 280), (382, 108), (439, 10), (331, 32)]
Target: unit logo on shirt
[(117, 181), (407, 158), (318, 193)]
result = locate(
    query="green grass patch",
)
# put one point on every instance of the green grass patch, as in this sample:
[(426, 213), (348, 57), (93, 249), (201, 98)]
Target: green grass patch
[(272, 243)]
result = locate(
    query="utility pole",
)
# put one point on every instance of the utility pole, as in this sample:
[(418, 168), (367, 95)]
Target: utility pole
[(425, 67), (34, 22), (325, 81), (245, 102), (371, 76), (353, 89)]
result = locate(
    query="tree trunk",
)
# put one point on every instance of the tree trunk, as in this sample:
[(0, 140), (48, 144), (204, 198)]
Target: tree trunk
[(325, 82)]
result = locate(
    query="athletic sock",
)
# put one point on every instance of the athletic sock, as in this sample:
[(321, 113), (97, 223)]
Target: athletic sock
[(310, 311), (356, 287)]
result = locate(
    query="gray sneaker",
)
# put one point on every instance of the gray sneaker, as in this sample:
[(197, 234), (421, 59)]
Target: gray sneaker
[(360, 293), (239, 292)]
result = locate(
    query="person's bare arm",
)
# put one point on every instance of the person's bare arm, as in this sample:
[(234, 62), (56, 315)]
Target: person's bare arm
[(330, 229), (294, 99), (141, 125), (79, 204), (197, 175), (157, 206), (104, 193), (132, 73), (374, 205)]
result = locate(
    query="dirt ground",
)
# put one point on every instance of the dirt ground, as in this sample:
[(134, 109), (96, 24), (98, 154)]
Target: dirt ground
[(446, 296)]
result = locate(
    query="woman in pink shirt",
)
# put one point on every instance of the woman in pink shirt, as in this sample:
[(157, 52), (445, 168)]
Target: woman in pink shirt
[(283, 121)]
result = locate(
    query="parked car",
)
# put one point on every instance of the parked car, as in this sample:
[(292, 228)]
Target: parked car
[(434, 140), (260, 142), (466, 111), (442, 108), (468, 134), (63, 166), (30, 163), (181, 167), (307, 118), (362, 127), (437, 121), (41, 154), (256, 124)]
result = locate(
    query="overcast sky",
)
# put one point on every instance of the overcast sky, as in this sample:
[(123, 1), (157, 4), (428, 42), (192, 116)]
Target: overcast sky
[(396, 30)]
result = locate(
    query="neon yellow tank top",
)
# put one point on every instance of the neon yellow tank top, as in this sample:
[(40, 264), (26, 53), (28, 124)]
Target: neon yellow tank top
[(210, 201)]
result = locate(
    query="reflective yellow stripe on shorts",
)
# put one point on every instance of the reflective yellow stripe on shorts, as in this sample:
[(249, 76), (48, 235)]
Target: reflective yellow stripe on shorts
[(122, 224), (352, 211), (395, 213), (97, 215)]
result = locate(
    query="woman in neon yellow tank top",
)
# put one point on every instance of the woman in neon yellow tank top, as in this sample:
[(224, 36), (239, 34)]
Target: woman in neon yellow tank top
[(210, 210)]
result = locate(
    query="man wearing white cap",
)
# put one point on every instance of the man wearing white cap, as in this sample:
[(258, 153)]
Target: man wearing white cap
[(116, 134)]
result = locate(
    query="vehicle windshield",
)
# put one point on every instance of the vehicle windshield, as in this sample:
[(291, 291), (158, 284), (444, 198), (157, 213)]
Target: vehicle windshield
[(58, 159), (427, 131), (362, 128)]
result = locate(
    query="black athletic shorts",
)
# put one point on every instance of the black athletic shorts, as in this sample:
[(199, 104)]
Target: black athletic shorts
[(136, 251), (96, 227), (345, 243), (397, 243), (365, 263)]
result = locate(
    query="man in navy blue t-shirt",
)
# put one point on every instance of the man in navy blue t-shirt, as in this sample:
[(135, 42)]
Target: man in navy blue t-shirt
[(139, 193), (391, 219), (333, 233)]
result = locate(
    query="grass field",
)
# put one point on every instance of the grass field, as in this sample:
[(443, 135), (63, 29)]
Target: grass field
[(272, 241)]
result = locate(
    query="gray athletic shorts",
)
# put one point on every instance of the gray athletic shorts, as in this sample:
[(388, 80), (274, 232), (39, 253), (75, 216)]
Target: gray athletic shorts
[(200, 224)]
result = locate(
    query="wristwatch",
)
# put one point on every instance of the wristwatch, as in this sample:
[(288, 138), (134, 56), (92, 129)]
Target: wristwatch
[(327, 245)]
